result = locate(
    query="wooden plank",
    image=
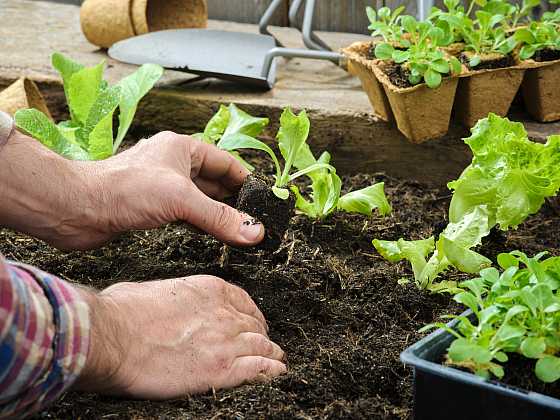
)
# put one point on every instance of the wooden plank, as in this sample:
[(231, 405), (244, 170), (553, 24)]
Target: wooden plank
[(339, 110), (245, 11)]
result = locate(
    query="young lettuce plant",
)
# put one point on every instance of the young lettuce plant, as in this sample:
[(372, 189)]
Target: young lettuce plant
[(509, 178), (516, 311), (92, 102), (484, 36), (326, 189), (449, 21), (232, 121), (422, 57), (385, 24), (292, 137), (537, 36)]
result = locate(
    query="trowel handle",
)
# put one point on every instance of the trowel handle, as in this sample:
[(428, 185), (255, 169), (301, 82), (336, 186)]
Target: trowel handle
[(334, 57), (310, 40)]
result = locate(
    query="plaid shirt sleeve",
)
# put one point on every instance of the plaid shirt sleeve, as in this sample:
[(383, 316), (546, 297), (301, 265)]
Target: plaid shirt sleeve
[(44, 338)]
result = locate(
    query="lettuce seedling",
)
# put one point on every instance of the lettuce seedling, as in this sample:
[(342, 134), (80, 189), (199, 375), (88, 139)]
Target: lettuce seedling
[(509, 178), (92, 102), (232, 121), (515, 311), (385, 24), (422, 57), (537, 36), (484, 36), (326, 189), (449, 21), (292, 137)]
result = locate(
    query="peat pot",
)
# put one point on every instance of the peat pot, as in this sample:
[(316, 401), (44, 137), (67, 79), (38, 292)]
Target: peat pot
[(541, 91)]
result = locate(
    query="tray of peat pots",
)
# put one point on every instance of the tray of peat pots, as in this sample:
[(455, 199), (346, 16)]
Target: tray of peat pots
[(539, 51), (500, 359)]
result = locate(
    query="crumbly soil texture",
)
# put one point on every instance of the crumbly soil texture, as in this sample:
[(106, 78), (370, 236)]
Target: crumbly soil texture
[(548, 54), (333, 304), (398, 75), (489, 64)]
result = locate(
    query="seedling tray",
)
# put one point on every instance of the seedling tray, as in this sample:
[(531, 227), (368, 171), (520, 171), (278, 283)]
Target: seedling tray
[(441, 392)]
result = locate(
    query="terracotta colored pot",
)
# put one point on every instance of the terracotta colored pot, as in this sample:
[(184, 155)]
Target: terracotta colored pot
[(421, 113), (485, 91), (22, 94), (541, 91), (359, 65)]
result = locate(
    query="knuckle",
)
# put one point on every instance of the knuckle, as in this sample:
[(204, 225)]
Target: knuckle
[(262, 366), (262, 345)]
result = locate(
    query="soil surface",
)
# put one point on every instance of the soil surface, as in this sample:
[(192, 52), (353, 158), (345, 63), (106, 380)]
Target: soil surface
[(331, 301), (488, 63), (548, 54), (398, 75)]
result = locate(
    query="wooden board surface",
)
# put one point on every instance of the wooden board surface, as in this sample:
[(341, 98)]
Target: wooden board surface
[(340, 113)]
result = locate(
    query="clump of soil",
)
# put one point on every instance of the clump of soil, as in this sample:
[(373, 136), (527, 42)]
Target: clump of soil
[(494, 61), (257, 199), (548, 54), (398, 75)]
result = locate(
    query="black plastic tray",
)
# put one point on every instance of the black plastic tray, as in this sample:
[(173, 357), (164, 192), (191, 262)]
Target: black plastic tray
[(441, 392)]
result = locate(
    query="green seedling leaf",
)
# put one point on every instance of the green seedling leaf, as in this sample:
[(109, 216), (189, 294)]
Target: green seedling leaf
[(533, 347), (384, 51), (547, 369), (364, 201), (83, 89), (293, 133), (40, 127), (133, 88)]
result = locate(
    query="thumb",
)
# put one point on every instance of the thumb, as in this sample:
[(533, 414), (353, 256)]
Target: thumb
[(221, 221)]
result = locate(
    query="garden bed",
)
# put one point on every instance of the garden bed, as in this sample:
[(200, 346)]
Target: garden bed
[(331, 301)]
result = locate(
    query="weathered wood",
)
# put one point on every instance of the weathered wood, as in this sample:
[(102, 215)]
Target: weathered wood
[(340, 113), (245, 11)]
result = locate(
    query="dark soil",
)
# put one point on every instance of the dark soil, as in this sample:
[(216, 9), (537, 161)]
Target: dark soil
[(332, 303), (498, 63), (548, 54), (398, 75), (257, 199)]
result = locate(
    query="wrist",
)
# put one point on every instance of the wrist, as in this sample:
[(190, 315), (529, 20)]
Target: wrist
[(44, 194), (105, 353)]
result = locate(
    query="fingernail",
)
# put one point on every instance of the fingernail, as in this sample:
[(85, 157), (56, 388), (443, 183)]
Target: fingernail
[(251, 229)]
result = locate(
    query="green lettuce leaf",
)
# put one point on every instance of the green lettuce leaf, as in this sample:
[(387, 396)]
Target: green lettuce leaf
[(133, 88), (293, 133), (364, 201), (415, 252), (39, 126), (509, 173), (83, 89)]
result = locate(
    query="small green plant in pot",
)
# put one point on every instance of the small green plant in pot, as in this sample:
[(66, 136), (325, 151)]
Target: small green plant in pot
[(88, 135), (384, 27)]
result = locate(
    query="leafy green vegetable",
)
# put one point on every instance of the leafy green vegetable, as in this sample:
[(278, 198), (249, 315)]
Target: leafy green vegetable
[(292, 137), (92, 103), (509, 173), (419, 52), (508, 180), (536, 37), (384, 23), (516, 311), (366, 200), (230, 122)]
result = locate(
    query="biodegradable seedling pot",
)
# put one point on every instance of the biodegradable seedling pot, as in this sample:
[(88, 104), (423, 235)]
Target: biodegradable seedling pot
[(421, 113), (484, 91), (541, 91), (105, 22), (359, 65), (22, 94), (257, 199), (443, 393)]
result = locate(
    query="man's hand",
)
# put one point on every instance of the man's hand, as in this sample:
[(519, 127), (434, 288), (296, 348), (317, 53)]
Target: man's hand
[(168, 339), (81, 205)]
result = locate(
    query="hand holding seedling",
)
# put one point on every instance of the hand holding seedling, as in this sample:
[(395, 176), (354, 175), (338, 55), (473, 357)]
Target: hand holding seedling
[(83, 204), (168, 339)]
